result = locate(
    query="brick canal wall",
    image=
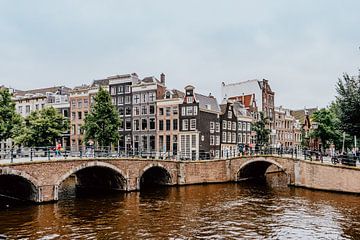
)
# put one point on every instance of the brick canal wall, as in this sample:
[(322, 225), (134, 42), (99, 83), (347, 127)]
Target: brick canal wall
[(320, 176), (47, 176)]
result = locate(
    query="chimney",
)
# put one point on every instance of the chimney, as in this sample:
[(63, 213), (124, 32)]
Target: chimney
[(162, 78)]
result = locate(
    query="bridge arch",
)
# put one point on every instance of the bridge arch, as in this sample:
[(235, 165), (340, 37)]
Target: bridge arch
[(95, 174), (154, 174), (19, 185), (256, 168)]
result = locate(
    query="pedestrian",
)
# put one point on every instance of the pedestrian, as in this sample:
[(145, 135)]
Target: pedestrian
[(58, 150)]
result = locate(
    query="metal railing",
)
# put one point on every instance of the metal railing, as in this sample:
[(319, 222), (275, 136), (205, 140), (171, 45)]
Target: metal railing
[(23, 154)]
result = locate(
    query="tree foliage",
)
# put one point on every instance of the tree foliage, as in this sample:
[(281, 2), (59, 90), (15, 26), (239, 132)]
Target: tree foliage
[(348, 104), (102, 122), (9, 119), (41, 128), (328, 127), (262, 132)]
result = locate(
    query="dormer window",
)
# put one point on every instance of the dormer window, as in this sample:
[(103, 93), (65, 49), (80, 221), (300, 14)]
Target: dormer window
[(189, 99), (167, 95)]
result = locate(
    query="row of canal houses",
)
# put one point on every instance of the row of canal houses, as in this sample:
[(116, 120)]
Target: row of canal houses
[(164, 122)]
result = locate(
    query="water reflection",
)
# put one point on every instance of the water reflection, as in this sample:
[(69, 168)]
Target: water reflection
[(218, 211)]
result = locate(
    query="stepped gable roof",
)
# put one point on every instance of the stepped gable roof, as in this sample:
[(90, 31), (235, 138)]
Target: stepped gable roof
[(205, 101), (300, 114), (56, 89)]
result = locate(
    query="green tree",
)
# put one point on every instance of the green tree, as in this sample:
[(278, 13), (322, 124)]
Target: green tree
[(9, 119), (103, 121), (262, 132), (41, 128), (348, 104), (328, 127)]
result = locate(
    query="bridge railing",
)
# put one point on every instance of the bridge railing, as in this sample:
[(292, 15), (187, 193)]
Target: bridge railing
[(23, 154)]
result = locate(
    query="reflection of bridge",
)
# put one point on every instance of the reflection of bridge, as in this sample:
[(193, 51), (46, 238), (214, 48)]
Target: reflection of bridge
[(41, 181)]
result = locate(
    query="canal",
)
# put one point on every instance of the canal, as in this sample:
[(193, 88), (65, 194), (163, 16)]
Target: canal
[(249, 210)]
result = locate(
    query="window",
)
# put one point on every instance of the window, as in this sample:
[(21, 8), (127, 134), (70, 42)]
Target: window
[(73, 129), (212, 126), (151, 109), (248, 127), (185, 124), (120, 100), (229, 125), (79, 103), (234, 126), (113, 100), (127, 124), (136, 111), (79, 115), (136, 98), (86, 103), (192, 124), (229, 114), (189, 99), (128, 111), (161, 125), (244, 126), (143, 110), (168, 143), (175, 111), (27, 109), (212, 140), (168, 111), (240, 138), (127, 88), (189, 111), (37, 107), (113, 90), (152, 123), (144, 124), (161, 111), (217, 127), (144, 98), (195, 110), (224, 124), (161, 143), (151, 96), (121, 111), (224, 137), (239, 126), (175, 124), (168, 125), (136, 125), (79, 131), (127, 99), (183, 111), (73, 115), (233, 137), (120, 89), (193, 141), (217, 140), (73, 104), (229, 137)]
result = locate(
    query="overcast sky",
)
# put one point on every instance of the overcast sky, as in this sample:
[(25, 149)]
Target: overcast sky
[(302, 47)]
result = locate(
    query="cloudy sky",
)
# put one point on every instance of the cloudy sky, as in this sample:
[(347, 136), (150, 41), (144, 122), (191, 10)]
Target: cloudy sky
[(302, 47)]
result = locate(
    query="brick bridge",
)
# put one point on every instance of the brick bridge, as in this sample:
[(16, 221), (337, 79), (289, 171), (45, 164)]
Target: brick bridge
[(41, 181)]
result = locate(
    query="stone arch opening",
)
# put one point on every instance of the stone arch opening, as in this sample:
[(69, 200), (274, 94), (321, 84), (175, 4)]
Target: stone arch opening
[(90, 179), (14, 187), (154, 176), (268, 170)]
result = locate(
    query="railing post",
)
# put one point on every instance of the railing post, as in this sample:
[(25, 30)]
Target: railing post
[(48, 152), (12, 155), (31, 154)]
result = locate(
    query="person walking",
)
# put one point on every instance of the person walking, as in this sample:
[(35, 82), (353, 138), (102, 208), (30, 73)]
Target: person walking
[(58, 150)]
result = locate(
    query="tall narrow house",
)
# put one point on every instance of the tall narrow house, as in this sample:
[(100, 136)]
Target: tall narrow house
[(199, 126)]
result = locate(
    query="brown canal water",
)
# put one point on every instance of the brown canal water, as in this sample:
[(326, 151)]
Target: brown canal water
[(215, 211)]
